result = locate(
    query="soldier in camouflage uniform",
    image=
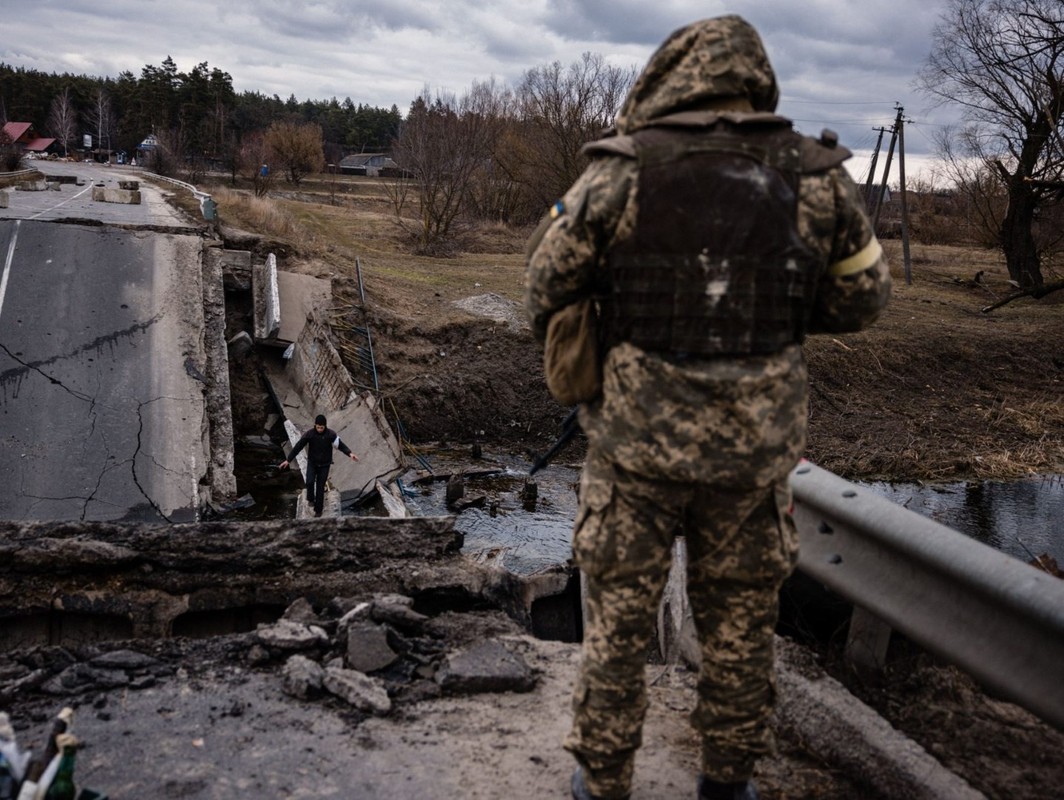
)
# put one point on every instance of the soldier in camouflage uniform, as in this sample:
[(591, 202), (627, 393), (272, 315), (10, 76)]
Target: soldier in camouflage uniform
[(714, 239)]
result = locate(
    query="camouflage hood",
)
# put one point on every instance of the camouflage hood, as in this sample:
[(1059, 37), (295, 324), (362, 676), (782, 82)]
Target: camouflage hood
[(699, 66)]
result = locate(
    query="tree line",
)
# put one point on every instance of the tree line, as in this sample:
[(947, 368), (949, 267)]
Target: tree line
[(199, 107), (504, 153)]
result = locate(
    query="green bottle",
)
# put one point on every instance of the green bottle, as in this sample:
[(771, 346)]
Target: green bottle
[(62, 787)]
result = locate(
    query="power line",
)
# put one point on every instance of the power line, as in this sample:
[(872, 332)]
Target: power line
[(843, 102)]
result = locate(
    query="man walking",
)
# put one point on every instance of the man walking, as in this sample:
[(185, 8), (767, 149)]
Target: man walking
[(319, 442), (712, 238)]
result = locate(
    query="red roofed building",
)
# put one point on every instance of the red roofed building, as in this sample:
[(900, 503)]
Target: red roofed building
[(25, 137)]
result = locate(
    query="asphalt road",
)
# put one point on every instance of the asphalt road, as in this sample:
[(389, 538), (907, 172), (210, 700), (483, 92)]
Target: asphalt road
[(74, 200), (101, 393)]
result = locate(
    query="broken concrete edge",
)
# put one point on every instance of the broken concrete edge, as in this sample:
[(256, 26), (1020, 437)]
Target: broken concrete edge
[(327, 649), (219, 404), (273, 298), (140, 580), (840, 729)]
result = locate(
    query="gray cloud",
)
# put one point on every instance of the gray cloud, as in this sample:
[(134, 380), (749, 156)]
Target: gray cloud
[(841, 63)]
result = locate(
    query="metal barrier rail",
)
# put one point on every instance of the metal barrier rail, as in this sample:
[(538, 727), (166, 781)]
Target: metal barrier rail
[(19, 173), (999, 619), (208, 207)]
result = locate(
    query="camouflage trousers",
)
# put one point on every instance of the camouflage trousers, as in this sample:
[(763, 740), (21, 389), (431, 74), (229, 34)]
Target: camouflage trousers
[(741, 546)]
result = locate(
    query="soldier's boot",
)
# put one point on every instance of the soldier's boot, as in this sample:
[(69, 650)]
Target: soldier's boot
[(580, 790), (713, 790)]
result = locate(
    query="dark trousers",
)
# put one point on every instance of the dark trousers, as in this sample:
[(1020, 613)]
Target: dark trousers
[(317, 474)]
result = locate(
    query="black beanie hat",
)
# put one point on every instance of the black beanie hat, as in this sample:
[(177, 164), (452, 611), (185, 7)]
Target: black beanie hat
[(319, 420)]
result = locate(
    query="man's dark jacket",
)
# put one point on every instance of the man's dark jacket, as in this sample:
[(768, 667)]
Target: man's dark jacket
[(319, 446)]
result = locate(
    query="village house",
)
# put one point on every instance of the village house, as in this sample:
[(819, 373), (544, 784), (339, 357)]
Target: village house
[(23, 136)]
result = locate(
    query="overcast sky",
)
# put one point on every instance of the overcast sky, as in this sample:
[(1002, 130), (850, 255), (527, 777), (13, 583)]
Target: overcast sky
[(841, 64)]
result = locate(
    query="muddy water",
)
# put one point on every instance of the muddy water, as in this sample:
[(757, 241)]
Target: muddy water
[(521, 536), (1023, 518)]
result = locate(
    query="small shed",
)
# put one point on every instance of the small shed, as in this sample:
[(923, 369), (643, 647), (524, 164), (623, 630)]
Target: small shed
[(369, 164)]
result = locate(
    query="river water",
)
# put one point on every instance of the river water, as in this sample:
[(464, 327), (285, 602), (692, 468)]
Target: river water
[(1022, 518)]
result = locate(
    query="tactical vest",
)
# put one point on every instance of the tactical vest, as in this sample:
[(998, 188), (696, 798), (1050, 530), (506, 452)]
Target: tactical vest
[(715, 265)]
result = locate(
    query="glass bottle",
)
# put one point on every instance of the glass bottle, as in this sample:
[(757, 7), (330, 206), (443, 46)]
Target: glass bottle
[(62, 787)]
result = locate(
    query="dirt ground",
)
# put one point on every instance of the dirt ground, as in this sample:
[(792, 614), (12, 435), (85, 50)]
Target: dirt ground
[(937, 390)]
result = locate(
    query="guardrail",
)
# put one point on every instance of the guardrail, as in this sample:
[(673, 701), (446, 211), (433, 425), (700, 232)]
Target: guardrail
[(999, 619), (208, 207), (19, 173)]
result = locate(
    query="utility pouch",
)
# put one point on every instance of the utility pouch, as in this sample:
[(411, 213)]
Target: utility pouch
[(572, 359)]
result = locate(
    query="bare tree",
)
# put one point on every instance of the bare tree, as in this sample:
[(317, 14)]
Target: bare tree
[(442, 147), (253, 157), (1002, 61), (296, 149), (560, 110), (101, 117), (63, 119), (168, 156), (10, 157)]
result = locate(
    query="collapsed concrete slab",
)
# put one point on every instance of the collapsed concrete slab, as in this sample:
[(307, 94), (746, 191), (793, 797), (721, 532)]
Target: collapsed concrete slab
[(314, 381), (235, 266), (71, 582), (299, 296), (75, 583)]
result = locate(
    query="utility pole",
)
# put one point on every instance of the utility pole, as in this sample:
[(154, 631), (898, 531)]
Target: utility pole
[(900, 123), (872, 169), (886, 171)]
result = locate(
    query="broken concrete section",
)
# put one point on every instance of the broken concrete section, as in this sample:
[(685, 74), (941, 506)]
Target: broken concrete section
[(485, 667), (235, 266), (38, 186), (69, 583), (316, 382), (266, 299), (103, 194), (299, 296)]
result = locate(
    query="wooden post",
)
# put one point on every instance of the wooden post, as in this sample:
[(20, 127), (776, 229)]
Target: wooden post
[(904, 201), (867, 641), (872, 169), (886, 174)]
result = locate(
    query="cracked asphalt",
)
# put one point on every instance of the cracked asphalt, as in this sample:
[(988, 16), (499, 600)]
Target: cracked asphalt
[(100, 419)]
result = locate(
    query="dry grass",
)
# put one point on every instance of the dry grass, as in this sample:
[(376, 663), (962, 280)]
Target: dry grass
[(936, 390), (331, 221)]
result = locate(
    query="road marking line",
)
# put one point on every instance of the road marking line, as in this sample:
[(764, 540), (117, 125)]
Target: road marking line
[(7, 263), (60, 205)]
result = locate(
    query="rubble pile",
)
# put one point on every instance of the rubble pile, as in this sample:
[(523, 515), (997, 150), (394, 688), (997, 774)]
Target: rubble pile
[(371, 652), (380, 651)]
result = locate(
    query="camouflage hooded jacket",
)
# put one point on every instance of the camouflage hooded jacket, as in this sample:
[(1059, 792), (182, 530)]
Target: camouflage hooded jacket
[(737, 421)]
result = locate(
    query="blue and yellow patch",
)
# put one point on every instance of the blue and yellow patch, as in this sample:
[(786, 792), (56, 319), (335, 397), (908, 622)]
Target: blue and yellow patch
[(557, 210)]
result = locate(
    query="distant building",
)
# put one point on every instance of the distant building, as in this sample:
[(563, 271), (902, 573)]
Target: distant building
[(366, 164), (25, 138), (146, 147)]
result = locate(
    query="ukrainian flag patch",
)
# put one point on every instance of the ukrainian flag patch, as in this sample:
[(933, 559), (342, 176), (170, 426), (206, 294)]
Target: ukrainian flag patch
[(557, 210)]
